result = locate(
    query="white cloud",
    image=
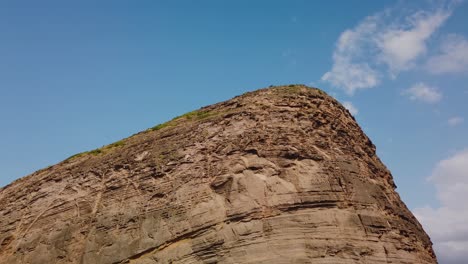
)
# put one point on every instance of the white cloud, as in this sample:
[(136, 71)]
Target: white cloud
[(351, 77), (347, 71), (454, 121), (401, 44), (351, 108), (424, 93), (381, 43), (447, 224), (453, 56)]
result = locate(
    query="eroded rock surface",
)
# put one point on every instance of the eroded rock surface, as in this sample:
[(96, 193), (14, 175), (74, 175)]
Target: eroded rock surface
[(279, 175)]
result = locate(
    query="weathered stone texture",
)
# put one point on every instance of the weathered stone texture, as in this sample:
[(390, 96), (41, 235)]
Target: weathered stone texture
[(279, 175)]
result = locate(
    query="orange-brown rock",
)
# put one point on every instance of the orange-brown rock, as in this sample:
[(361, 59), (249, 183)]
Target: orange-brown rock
[(279, 175)]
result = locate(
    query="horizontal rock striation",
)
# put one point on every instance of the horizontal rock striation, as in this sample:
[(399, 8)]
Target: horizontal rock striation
[(279, 175)]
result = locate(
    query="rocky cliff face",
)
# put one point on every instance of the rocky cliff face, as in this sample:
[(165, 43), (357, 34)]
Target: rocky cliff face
[(279, 175)]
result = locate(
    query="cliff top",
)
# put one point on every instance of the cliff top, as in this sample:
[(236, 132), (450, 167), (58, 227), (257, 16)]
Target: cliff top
[(249, 100)]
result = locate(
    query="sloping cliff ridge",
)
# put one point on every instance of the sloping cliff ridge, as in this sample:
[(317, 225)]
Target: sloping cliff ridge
[(279, 175)]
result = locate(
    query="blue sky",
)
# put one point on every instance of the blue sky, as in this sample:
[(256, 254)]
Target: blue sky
[(78, 75)]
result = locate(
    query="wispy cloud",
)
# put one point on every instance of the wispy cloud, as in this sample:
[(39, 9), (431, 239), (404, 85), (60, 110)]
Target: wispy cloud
[(453, 56), (351, 108), (401, 44), (455, 121), (349, 70), (382, 45), (447, 224), (424, 93)]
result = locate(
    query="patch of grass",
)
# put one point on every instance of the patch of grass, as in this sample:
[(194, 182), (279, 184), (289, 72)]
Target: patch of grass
[(197, 115), (119, 143), (296, 89), (98, 151), (75, 156), (289, 89), (194, 115), (95, 152), (160, 126)]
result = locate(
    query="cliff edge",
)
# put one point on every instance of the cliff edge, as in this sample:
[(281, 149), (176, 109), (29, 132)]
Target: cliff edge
[(278, 175)]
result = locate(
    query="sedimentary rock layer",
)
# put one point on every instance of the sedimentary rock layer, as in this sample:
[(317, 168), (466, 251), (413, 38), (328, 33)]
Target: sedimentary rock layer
[(279, 175)]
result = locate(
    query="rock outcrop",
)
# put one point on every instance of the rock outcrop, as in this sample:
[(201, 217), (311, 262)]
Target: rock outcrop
[(279, 175)]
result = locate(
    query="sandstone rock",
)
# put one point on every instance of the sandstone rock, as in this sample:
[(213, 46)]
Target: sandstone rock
[(279, 175)]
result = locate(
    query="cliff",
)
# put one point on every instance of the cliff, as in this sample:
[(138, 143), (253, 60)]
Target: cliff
[(279, 175)]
